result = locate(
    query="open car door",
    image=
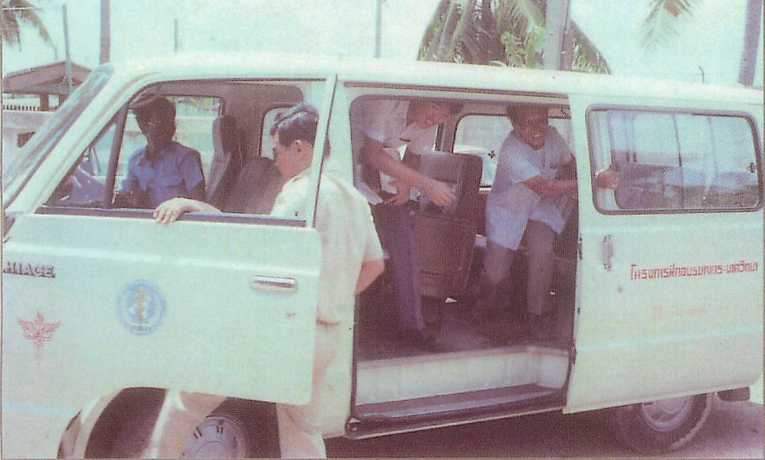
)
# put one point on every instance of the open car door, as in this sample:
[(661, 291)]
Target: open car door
[(98, 299)]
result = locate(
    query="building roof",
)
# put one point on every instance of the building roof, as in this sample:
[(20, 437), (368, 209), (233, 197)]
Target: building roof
[(45, 79)]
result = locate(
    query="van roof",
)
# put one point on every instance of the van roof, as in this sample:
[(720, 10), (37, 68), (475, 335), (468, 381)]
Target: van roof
[(431, 74)]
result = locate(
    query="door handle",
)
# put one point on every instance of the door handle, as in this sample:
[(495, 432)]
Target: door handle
[(273, 283), (607, 251)]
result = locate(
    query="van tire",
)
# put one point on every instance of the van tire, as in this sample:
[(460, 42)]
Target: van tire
[(237, 428), (660, 426)]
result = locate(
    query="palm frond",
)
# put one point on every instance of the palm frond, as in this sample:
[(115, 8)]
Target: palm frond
[(429, 43), (587, 57), (663, 19), (16, 13)]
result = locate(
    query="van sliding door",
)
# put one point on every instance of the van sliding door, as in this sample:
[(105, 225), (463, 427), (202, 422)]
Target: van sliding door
[(670, 287)]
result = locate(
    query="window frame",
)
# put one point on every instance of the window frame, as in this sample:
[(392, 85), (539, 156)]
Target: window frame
[(563, 107), (589, 121), (120, 118)]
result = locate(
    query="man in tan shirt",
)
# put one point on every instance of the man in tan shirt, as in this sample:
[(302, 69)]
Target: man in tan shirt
[(351, 259)]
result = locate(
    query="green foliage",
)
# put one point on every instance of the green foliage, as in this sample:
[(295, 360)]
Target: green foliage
[(663, 18), (510, 32), (18, 12)]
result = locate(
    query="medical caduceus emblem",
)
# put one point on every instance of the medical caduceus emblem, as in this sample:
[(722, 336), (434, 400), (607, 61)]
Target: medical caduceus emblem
[(38, 331)]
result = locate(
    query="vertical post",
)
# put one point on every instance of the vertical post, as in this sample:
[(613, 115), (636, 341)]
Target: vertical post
[(67, 57), (106, 37), (556, 18), (378, 27), (175, 35)]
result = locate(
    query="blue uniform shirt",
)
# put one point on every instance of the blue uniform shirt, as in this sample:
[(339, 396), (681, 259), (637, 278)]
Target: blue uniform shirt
[(175, 172)]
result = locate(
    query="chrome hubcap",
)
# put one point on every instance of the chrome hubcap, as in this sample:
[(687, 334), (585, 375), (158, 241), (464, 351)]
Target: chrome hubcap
[(668, 414), (217, 437)]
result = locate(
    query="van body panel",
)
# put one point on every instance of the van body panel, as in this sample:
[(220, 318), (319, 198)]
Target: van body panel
[(99, 300), (644, 330), (115, 301)]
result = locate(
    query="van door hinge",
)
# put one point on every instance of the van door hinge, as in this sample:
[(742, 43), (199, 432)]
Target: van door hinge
[(579, 247)]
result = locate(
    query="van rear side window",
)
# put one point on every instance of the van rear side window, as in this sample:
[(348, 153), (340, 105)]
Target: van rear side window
[(669, 161)]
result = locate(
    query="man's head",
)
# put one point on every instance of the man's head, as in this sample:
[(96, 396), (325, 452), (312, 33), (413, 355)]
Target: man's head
[(293, 134), (156, 119), (426, 114), (530, 124)]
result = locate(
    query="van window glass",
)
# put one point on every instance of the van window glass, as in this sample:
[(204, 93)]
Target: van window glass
[(675, 161), (194, 117), (51, 132), (85, 184), (483, 135), (266, 146), (213, 146)]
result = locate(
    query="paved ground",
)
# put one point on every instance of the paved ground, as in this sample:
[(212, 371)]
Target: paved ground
[(733, 430)]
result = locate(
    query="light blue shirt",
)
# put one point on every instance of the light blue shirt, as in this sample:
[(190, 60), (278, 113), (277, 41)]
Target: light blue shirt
[(511, 204), (175, 172)]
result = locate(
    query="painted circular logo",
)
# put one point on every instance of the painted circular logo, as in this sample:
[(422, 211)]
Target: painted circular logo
[(141, 307)]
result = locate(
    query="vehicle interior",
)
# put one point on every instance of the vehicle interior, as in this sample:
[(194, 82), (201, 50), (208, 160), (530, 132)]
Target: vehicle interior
[(492, 366), (476, 368)]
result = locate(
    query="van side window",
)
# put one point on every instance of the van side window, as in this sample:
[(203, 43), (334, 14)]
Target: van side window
[(675, 161), (483, 134), (194, 117), (266, 146), (84, 186)]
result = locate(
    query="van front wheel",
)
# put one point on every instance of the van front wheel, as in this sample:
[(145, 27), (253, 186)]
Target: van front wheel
[(236, 429), (660, 426)]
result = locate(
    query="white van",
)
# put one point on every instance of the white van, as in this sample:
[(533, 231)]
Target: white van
[(658, 287)]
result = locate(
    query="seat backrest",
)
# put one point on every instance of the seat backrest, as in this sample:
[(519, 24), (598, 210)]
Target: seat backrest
[(226, 143), (446, 236), (463, 173), (255, 190)]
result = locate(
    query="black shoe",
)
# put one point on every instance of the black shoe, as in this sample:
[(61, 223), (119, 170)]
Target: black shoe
[(420, 339)]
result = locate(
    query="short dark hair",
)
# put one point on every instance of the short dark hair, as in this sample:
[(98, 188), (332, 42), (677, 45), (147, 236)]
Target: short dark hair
[(514, 111), (158, 106), (297, 123)]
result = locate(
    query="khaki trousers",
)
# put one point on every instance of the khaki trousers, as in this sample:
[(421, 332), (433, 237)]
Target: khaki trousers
[(299, 425), (539, 240)]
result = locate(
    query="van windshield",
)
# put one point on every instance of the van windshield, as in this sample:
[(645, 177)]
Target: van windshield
[(29, 158)]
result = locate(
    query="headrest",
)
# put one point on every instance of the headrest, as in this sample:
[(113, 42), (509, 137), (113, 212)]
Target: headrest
[(225, 133)]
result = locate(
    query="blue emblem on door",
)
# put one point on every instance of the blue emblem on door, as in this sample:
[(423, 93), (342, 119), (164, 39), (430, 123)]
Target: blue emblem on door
[(141, 307)]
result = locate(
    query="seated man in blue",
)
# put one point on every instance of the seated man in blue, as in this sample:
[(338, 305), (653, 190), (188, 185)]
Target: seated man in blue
[(163, 169)]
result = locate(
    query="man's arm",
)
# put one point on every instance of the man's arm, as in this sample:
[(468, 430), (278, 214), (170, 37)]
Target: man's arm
[(172, 209), (550, 187), (370, 270), (440, 193)]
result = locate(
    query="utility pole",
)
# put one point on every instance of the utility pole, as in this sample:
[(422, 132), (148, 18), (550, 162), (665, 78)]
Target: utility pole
[(378, 27), (556, 20), (106, 36), (67, 57), (176, 44)]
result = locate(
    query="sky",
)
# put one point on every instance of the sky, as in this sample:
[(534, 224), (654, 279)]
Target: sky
[(709, 41)]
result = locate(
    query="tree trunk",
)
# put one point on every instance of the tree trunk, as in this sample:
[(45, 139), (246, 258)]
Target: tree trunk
[(751, 42), (556, 17)]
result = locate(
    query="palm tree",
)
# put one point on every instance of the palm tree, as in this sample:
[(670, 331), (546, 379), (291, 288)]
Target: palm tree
[(751, 42), (507, 32), (663, 18), (664, 15), (16, 12)]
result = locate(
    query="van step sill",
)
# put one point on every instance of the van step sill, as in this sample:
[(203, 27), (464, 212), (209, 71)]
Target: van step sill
[(444, 405)]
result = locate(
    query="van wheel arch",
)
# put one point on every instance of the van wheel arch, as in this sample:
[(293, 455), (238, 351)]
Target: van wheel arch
[(660, 426), (125, 425)]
